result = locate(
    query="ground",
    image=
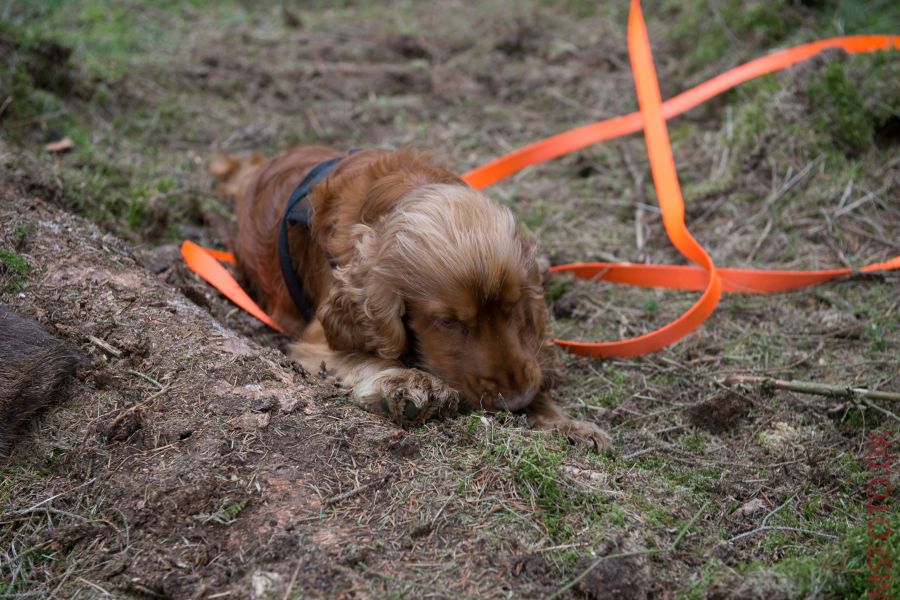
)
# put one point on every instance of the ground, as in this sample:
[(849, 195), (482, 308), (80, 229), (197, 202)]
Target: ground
[(193, 459)]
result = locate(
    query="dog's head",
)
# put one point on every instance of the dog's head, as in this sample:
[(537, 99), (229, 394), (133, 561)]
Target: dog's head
[(446, 281)]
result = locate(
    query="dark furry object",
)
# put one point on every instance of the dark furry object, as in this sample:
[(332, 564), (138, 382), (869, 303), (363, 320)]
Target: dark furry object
[(33, 367)]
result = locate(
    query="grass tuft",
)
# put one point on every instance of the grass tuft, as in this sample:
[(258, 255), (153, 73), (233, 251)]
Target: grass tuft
[(13, 272)]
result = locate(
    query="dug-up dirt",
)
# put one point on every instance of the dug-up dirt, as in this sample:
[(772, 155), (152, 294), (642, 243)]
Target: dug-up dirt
[(188, 461)]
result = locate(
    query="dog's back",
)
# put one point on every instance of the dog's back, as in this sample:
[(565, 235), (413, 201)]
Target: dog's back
[(349, 196), (260, 189)]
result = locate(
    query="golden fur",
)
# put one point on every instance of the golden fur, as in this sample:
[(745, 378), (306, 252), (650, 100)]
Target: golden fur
[(435, 299)]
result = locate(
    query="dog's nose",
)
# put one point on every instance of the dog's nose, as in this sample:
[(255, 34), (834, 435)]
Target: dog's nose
[(514, 402)]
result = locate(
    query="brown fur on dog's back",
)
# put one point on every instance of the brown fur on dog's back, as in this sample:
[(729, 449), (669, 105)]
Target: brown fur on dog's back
[(33, 367), (359, 190), (233, 172)]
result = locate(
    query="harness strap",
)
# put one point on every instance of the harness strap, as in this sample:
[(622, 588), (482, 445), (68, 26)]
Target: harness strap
[(299, 212)]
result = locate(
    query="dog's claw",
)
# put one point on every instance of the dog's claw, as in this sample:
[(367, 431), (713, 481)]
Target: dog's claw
[(411, 411), (586, 434), (414, 397)]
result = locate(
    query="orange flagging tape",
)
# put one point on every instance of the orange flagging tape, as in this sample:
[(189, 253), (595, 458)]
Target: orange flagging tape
[(609, 129), (653, 114), (204, 262)]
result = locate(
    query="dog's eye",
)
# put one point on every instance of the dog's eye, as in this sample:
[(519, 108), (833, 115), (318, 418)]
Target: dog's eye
[(451, 324)]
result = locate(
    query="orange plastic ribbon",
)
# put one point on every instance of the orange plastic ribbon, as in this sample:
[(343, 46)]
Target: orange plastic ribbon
[(204, 262), (651, 118), (609, 129)]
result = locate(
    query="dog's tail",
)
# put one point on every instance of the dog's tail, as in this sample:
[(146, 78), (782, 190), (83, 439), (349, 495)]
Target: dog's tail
[(233, 172)]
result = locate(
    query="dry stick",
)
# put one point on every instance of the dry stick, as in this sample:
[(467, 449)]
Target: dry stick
[(764, 527), (52, 498), (158, 385), (827, 536), (17, 515), (639, 196), (670, 548), (106, 347), (94, 585), (290, 587), (437, 515), (759, 242), (139, 405), (810, 387), (355, 491), (883, 411), (787, 186)]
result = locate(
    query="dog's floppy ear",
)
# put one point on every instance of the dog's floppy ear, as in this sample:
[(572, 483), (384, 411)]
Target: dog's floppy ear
[(363, 313)]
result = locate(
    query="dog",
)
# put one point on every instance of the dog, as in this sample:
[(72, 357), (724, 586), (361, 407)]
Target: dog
[(420, 293)]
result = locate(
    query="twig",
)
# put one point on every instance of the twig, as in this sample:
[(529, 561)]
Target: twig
[(639, 196), (788, 185), (671, 547), (13, 516), (883, 411), (93, 585), (844, 197), (52, 498), (355, 491), (118, 418), (108, 348), (810, 387), (561, 547), (440, 511), (639, 453), (769, 516), (780, 528), (290, 587), (759, 242), (158, 385)]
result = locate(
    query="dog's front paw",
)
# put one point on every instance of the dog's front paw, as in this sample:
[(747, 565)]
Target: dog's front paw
[(545, 414), (413, 397), (585, 434)]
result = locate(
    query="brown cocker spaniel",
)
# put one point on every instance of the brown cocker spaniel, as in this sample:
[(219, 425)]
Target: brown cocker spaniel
[(421, 291)]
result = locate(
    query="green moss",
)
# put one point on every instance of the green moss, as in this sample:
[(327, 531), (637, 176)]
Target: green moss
[(694, 442), (229, 512), (707, 35), (35, 84), (21, 233), (657, 515), (865, 16), (839, 110), (814, 566), (533, 466), (558, 287), (609, 399), (13, 272), (840, 569), (535, 473)]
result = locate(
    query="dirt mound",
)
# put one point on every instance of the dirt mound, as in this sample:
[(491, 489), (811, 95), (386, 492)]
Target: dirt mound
[(190, 460)]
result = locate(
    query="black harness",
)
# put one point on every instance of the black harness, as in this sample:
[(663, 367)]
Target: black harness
[(299, 212)]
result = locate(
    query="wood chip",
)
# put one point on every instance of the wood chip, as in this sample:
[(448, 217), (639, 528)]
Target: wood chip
[(63, 145)]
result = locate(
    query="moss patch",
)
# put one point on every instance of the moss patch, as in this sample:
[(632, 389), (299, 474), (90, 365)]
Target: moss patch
[(13, 272)]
